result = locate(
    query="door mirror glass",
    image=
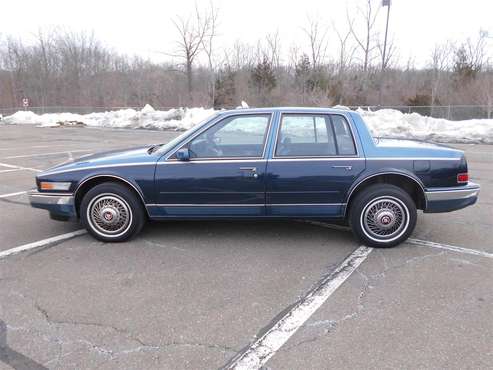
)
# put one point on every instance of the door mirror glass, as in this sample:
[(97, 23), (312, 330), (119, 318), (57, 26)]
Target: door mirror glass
[(183, 154)]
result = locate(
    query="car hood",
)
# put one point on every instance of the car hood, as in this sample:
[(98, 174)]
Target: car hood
[(109, 158)]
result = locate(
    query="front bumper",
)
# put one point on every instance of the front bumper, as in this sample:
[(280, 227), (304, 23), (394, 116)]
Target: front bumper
[(451, 199), (60, 205)]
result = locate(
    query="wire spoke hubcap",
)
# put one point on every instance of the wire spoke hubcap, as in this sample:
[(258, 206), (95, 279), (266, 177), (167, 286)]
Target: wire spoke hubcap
[(109, 214), (384, 218)]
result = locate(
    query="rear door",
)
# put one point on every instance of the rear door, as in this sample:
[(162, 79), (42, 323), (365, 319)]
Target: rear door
[(225, 175), (314, 162)]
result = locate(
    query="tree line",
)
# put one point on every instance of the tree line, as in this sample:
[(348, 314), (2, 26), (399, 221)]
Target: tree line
[(68, 68)]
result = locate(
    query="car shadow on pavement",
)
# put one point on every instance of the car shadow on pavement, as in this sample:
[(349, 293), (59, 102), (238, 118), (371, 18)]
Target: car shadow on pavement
[(292, 231), (11, 357)]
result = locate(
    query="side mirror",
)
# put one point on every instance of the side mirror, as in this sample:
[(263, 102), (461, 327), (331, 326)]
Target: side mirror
[(183, 154)]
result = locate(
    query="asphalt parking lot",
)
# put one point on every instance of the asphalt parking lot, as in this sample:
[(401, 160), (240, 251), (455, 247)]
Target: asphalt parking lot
[(196, 295)]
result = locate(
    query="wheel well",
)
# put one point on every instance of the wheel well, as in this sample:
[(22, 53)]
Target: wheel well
[(89, 184), (405, 183)]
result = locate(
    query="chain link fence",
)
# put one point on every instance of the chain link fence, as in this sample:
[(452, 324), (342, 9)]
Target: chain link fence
[(450, 112), (65, 109)]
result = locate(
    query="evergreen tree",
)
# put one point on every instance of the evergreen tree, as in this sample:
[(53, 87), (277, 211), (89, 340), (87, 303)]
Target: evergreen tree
[(225, 86), (302, 75), (264, 80), (464, 67)]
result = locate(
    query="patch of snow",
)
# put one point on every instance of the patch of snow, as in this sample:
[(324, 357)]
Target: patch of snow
[(395, 124), (243, 104), (382, 123), (341, 107), (148, 109), (147, 118)]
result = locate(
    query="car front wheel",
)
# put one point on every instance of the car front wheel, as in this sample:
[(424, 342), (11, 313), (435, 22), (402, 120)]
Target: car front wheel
[(383, 216), (112, 213)]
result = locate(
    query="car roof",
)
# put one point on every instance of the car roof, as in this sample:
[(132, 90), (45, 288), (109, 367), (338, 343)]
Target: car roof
[(286, 110)]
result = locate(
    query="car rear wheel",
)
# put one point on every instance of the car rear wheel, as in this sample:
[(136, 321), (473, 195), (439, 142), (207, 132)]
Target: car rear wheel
[(383, 216), (112, 213)]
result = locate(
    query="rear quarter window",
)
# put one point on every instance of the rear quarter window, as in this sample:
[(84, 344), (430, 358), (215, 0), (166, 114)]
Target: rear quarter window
[(345, 141)]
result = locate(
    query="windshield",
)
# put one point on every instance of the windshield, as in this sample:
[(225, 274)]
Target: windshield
[(165, 147)]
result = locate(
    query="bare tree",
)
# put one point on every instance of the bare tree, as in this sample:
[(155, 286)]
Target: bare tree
[(366, 40), (317, 37), (390, 53), (470, 56), (345, 56), (208, 46), (476, 49), (240, 56), (192, 31), (440, 63), (346, 50), (293, 55), (485, 92), (274, 48)]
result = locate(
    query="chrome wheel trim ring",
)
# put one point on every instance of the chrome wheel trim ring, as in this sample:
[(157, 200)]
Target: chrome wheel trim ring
[(109, 215), (390, 219)]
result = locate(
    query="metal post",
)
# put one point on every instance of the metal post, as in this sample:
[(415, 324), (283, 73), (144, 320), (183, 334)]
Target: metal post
[(387, 4)]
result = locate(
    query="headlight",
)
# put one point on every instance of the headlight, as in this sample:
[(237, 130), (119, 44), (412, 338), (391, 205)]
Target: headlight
[(44, 185)]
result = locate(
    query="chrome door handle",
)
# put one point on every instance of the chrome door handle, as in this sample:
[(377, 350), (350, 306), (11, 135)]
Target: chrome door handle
[(253, 170), (347, 168)]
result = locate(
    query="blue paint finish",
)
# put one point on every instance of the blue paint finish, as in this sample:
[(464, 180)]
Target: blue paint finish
[(304, 187), (440, 206), (135, 166), (309, 182), (211, 182), (276, 120), (194, 212), (61, 210)]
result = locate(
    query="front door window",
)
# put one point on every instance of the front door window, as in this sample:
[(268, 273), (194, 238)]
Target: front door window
[(237, 136)]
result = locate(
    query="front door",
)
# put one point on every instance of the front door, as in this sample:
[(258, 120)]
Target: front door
[(314, 163), (225, 176)]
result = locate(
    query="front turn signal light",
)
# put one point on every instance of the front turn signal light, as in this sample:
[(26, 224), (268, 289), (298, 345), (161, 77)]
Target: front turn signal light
[(46, 185)]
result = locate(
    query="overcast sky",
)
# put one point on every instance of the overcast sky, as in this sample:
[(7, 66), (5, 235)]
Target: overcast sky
[(144, 27)]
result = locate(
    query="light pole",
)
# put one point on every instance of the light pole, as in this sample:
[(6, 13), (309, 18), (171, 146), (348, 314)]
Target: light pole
[(386, 3)]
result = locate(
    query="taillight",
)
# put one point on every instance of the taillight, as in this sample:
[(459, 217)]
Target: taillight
[(462, 178)]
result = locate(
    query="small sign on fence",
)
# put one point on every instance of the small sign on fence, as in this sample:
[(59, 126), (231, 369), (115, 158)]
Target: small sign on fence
[(25, 102)]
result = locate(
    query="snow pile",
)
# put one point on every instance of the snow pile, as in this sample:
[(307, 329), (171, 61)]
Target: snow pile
[(382, 123), (147, 118), (395, 124)]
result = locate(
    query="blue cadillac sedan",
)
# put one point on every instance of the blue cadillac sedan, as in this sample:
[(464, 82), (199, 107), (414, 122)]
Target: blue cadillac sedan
[(269, 163)]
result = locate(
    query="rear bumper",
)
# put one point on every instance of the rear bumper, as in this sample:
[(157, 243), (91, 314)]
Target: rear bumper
[(60, 205), (451, 199)]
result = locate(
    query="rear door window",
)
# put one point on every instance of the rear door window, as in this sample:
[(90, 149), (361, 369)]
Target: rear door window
[(302, 135)]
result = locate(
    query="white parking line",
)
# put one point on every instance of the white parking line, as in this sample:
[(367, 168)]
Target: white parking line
[(19, 167), (259, 352), (36, 146), (12, 170), (453, 248), (12, 194), (41, 243), (47, 154), (417, 242)]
